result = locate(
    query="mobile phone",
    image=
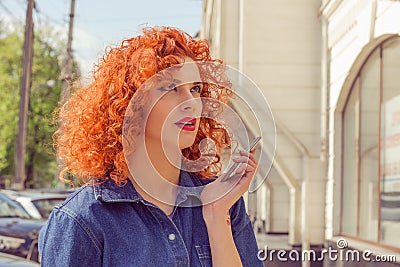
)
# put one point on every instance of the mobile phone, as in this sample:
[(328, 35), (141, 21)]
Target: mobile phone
[(236, 164)]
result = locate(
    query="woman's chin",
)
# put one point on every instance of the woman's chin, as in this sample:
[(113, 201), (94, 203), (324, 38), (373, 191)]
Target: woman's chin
[(186, 144), (186, 140)]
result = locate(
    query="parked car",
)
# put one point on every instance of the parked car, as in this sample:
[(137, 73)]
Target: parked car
[(37, 204), (11, 260), (18, 230)]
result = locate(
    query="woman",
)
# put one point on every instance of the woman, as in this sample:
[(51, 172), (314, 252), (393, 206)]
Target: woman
[(131, 211)]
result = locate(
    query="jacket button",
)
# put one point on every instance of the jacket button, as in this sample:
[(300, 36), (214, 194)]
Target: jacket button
[(171, 237)]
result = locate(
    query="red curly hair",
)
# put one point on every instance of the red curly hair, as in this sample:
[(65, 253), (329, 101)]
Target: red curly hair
[(89, 140)]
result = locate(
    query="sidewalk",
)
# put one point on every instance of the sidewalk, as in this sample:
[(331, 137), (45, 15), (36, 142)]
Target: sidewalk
[(273, 241)]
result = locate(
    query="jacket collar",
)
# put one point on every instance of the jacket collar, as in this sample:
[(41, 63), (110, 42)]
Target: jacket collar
[(190, 186)]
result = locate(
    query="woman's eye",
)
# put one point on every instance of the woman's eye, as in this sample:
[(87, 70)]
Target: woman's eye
[(172, 86), (196, 89), (167, 89)]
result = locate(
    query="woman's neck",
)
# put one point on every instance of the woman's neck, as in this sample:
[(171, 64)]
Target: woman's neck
[(155, 175), (154, 168), (166, 163)]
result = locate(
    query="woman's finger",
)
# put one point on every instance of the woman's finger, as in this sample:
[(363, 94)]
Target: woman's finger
[(243, 164), (241, 169), (250, 161), (245, 167), (245, 156), (250, 155), (253, 157), (242, 158)]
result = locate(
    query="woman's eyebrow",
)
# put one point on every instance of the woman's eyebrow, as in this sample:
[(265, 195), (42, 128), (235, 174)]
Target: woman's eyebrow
[(179, 83)]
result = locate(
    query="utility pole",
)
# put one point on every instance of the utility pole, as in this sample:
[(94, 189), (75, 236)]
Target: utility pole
[(66, 78), (67, 68), (19, 172)]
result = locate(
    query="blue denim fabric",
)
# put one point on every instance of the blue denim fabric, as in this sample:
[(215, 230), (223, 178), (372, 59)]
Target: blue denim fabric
[(107, 225)]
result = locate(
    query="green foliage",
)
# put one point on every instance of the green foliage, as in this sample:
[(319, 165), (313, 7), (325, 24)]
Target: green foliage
[(45, 93), (10, 73)]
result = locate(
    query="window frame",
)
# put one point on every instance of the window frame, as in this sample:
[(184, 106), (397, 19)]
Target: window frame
[(353, 82)]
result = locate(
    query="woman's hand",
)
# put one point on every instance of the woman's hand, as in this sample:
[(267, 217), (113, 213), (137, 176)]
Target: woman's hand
[(218, 197)]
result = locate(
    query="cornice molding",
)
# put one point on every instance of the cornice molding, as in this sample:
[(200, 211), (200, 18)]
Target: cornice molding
[(328, 8)]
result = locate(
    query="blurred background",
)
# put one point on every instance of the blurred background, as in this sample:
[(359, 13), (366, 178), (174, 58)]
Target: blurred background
[(330, 70)]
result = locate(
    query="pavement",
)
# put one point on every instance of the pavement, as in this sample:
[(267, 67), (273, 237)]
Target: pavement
[(275, 241)]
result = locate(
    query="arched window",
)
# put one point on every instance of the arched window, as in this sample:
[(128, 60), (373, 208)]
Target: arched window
[(371, 148)]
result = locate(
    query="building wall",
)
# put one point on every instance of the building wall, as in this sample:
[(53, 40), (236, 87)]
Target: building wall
[(304, 56), (350, 26), (277, 43), (351, 29)]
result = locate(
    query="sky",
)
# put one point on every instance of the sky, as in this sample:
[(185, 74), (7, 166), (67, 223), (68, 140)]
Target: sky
[(99, 23)]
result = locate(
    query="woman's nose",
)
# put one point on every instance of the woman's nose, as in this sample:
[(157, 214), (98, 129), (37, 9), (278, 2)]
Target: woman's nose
[(188, 101), (190, 104)]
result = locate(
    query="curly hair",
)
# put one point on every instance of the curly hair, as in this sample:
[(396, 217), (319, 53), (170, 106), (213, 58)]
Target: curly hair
[(89, 140)]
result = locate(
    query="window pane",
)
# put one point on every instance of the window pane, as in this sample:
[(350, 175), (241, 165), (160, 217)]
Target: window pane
[(369, 136), (350, 165), (390, 150)]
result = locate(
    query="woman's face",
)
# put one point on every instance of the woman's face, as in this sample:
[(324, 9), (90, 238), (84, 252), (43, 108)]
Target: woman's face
[(175, 117)]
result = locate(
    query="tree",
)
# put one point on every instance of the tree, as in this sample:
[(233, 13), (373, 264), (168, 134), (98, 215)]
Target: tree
[(10, 73), (44, 99)]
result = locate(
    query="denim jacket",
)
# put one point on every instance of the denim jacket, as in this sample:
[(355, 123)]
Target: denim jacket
[(107, 225)]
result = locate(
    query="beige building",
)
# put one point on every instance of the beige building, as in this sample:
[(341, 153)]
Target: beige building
[(361, 96), (331, 73)]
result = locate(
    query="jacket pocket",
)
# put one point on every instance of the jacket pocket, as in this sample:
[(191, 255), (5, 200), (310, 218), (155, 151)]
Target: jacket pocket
[(204, 254)]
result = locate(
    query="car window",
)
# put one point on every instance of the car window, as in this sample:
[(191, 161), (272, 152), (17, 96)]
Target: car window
[(45, 206), (8, 210)]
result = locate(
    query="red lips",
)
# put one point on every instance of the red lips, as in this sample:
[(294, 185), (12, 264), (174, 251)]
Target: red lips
[(187, 124)]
